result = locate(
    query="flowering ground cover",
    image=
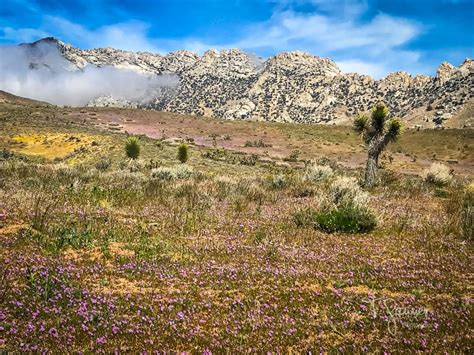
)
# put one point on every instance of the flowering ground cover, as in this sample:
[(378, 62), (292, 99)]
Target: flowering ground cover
[(227, 257)]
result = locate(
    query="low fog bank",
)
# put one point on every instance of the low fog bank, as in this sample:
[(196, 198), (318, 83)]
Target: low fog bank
[(40, 72)]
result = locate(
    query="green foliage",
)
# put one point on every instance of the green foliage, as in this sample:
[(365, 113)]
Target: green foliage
[(379, 116), (183, 153), (132, 147), (394, 129), (348, 219), (178, 172), (467, 215), (361, 123), (379, 124), (73, 237)]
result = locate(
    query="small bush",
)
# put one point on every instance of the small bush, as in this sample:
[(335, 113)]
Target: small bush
[(250, 160), (438, 174), (152, 164), (183, 153), (183, 172), (103, 164), (132, 147), (258, 144), (134, 166), (279, 181), (163, 173), (178, 172), (467, 214), (345, 191), (316, 173), (305, 218), (293, 157), (348, 219)]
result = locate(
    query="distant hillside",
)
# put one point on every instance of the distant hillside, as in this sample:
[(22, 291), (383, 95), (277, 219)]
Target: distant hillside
[(6, 97), (289, 87)]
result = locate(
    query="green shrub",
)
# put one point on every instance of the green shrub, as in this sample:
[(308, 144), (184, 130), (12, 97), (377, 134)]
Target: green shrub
[(225, 186), (183, 172), (183, 153), (132, 147), (163, 173), (349, 219), (279, 181)]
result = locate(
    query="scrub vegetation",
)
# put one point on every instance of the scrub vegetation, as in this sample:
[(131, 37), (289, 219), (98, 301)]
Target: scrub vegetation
[(105, 248)]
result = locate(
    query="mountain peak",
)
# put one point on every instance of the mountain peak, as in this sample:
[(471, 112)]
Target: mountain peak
[(291, 86)]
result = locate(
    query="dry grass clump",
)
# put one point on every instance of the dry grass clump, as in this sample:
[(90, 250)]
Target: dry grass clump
[(459, 208), (279, 181), (438, 174), (183, 171), (345, 191), (125, 178), (225, 186), (103, 164), (174, 173), (316, 173)]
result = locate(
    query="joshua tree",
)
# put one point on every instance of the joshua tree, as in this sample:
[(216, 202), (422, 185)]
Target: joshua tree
[(377, 132), (132, 147)]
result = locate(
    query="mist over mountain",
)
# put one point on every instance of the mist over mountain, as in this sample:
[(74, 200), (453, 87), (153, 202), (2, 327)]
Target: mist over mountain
[(230, 84), (40, 71)]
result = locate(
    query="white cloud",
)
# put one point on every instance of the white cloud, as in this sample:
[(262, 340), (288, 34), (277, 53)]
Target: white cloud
[(22, 34), (54, 81), (131, 35), (340, 31), (372, 45)]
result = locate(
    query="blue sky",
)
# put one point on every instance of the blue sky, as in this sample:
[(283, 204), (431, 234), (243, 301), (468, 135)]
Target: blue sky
[(369, 37)]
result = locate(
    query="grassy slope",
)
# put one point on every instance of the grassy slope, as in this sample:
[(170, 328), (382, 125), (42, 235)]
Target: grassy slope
[(111, 260)]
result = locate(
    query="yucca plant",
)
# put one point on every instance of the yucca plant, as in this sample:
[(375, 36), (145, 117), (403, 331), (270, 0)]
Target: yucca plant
[(132, 147), (377, 131), (183, 153)]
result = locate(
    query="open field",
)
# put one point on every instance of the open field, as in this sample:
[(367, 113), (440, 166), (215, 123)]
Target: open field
[(99, 253)]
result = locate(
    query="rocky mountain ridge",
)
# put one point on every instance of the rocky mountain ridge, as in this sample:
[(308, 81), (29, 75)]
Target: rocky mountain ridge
[(289, 87)]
